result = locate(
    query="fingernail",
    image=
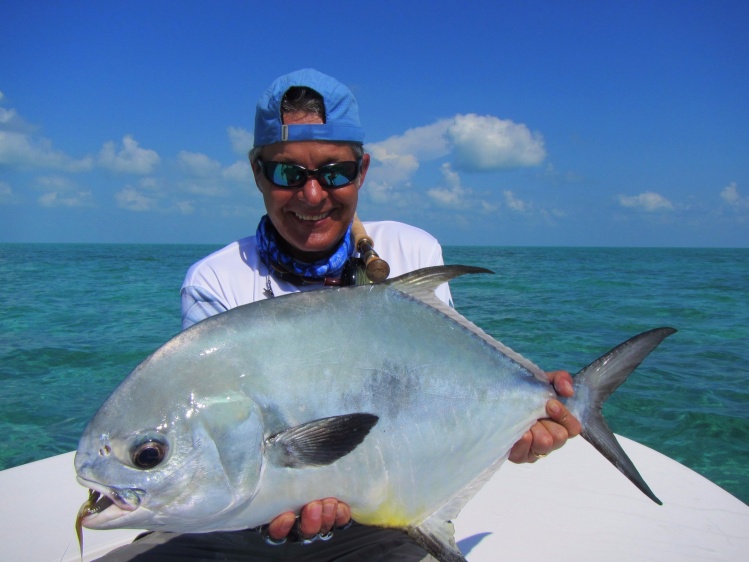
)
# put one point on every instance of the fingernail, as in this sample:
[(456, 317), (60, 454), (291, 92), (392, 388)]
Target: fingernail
[(328, 509)]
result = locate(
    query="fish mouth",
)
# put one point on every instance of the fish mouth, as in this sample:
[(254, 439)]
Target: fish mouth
[(106, 504)]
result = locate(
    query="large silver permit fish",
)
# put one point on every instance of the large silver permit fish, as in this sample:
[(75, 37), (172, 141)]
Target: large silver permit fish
[(380, 395)]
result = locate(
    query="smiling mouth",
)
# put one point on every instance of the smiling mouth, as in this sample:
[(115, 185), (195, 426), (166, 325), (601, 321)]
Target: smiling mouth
[(312, 218)]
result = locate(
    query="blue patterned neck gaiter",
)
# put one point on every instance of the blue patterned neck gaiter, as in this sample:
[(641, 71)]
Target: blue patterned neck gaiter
[(300, 272)]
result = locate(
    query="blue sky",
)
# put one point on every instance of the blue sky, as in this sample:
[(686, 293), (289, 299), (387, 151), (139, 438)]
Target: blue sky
[(552, 123)]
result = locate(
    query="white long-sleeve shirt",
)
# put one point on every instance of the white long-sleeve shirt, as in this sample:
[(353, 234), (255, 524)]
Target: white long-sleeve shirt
[(235, 275)]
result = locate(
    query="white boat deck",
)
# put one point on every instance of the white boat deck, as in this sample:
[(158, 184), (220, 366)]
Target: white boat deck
[(573, 505)]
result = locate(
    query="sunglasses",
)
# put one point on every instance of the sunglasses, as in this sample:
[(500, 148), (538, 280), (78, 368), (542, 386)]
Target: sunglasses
[(293, 176)]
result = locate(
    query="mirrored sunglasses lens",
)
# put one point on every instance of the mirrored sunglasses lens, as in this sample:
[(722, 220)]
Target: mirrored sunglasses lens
[(286, 175), (339, 174)]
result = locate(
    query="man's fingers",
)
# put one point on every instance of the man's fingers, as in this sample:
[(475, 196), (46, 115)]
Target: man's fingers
[(280, 527), (521, 449), (543, 441), (562, 382), (319, 516), (549, 434), (561, 415), (545, 436), (342, 515), (556, 432), (329, 511), (533, 445), (310, 520)]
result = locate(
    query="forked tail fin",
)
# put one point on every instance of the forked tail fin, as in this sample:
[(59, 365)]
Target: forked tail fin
[(596, 382)]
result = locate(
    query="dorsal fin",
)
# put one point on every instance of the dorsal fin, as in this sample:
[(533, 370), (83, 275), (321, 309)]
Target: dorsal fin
[(421, 284)]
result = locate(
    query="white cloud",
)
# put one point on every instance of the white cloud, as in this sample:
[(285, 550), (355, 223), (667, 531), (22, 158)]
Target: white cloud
[(130, 159), (198, 164), (61, 191), (475, 143), (11, 120), (450, 175), (206, 178), (6, 193), (184, 207), (240, 210), (203, 169), (514, 203), (730, 194), (66, 199), (530, 209), (393, 167), (397, 158), (427, 142), (648, 201), (455, 196), (486, 143), (241, 140), (204, 188), (150, 183), (6, 115), (58, 183), (149, 196), (382, 192), (133, 200), (239, 172), (20, 150)]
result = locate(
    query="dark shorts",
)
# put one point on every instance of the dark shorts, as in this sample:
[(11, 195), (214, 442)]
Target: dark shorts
[(358, 543)]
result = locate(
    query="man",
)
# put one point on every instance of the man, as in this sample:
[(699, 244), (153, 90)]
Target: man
[(309, 164)]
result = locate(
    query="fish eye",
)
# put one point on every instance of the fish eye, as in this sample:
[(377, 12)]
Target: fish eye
[(149, 454)]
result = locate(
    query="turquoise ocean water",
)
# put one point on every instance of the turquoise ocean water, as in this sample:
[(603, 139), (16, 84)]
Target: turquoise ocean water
[(75, 319)]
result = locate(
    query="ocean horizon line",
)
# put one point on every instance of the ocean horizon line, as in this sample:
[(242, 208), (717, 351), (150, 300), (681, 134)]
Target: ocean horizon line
[(525, 246)]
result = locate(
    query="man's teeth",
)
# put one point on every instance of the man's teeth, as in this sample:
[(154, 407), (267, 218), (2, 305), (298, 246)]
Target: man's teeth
[(311, 217)]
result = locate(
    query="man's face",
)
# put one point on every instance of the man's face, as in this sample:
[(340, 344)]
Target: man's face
[(311, 219)]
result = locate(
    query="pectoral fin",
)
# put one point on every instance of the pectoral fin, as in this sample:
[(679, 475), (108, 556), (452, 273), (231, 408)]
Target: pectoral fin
[(320, 442)]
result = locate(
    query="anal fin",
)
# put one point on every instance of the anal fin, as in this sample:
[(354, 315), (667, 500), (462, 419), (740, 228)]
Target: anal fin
[(437, 537)]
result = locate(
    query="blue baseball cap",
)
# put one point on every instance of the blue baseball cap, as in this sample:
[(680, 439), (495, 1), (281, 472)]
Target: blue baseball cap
[(341, 111)]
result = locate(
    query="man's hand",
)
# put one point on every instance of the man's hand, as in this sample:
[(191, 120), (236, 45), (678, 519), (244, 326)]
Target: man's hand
[(317, 517), (549, 434)]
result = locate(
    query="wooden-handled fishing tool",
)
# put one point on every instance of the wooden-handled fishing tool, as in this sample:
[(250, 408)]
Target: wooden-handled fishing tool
[(376, 268)]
